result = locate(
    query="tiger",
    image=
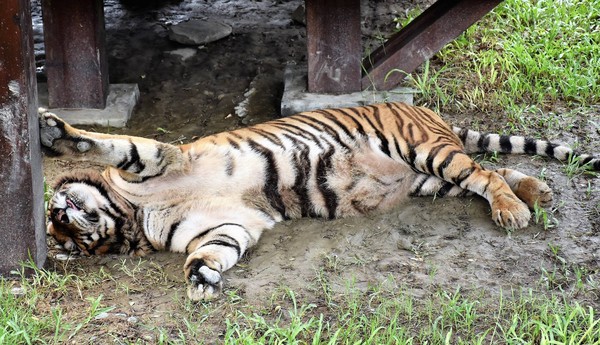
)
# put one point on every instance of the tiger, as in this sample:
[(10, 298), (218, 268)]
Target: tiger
[(212, 199)]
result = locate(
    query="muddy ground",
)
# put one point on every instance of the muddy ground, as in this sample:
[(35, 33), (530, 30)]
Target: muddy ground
[(424, 244)]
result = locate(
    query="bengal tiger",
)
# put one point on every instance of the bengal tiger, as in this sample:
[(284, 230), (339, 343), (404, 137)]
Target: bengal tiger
[(213, 198)]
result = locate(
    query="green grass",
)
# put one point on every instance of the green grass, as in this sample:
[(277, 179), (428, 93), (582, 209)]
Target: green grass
[(383, 314), (524, 56), (28, 315), (379, 317), (526, 59)]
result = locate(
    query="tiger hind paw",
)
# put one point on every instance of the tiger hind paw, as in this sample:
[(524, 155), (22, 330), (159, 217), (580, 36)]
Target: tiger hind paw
[(204, 282), (534, 191), (58, 138)]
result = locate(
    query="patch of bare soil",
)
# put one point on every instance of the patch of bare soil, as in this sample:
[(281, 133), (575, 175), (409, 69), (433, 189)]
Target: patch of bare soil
[(424, 244)]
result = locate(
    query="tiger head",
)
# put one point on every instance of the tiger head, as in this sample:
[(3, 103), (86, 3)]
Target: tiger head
[(88, 216)]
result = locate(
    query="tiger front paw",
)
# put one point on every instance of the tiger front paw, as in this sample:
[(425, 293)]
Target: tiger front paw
[(204, 279), (509, 212), (58, 138)]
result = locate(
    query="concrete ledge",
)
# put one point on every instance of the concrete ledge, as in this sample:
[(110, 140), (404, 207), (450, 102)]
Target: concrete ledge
[(120, 102), (296, 99)]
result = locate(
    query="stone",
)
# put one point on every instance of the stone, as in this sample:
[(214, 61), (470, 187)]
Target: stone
[(120, 103), (297, 99), (184, 53), (299, 15), (197, 32)]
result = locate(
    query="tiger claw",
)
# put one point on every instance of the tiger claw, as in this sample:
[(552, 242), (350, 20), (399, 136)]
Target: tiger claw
[(510, 213)]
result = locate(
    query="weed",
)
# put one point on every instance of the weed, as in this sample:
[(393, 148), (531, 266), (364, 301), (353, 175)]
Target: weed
[(541, 215), (574, 168), (522, 54)]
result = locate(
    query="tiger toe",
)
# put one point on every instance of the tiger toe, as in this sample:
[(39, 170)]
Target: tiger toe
[(51, 128), (204, 282), (533, 191), (510, 213)]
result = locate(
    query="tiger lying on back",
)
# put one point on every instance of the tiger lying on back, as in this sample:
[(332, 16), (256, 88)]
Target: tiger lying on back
[(212, 199)]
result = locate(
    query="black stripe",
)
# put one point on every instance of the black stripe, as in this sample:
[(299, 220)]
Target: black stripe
[(417, 191), (302, 165), (133, 159), (445, 189), (301, 132), (172, 230), (445, 163), (505, 145), (323, 167), (229, 164), (359, 127), (333, 118), (550, 150), (412, 154), (431, 156), (269, 136), (384, 145), (206, 231), (271, 184), (481, 142), (463, 175), (225, 244), (530, 146), (233, 144), (463, 134), (325, 128), (376, 115)]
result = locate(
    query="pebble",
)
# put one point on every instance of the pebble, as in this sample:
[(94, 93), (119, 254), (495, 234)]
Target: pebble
[(101, 316), (197, 32), (183, 53), (62, 257), (132, 319), (18, 291)]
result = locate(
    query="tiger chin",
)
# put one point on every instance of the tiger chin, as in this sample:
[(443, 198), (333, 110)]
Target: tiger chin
[(213, 198)]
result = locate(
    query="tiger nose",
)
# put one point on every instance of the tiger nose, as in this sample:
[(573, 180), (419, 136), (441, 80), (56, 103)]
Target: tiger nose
[(61, 215)]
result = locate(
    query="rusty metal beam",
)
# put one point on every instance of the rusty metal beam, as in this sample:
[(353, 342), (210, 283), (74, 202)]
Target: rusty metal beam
[(421, 39), (22, 230), (76, 62), (334, 48)]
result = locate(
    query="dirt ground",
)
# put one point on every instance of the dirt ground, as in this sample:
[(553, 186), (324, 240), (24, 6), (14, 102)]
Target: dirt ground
[(424, 244)]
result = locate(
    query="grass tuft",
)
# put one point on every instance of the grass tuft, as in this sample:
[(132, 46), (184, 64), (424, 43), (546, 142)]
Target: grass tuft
[(523, 54)]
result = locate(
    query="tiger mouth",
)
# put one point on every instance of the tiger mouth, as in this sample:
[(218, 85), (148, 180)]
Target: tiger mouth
[(60, 214)]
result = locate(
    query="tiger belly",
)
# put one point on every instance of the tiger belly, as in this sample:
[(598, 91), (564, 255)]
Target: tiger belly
[(350, 184), (369, 182)]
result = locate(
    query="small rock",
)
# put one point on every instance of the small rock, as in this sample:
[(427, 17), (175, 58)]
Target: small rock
[(183, 53), (132, 319), (17, 291), (299, 15), (62, 257), (196, 32), (101, 316)]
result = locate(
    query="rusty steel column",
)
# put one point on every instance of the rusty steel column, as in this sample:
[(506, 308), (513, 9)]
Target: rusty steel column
[(22, 230), (76, 62), (421, 39), (334, 48)]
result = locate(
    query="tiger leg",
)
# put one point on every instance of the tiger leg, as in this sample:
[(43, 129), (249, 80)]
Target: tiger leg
[(529, 189), (429, 185), (136, 158), (508, 210), (212, 255)]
